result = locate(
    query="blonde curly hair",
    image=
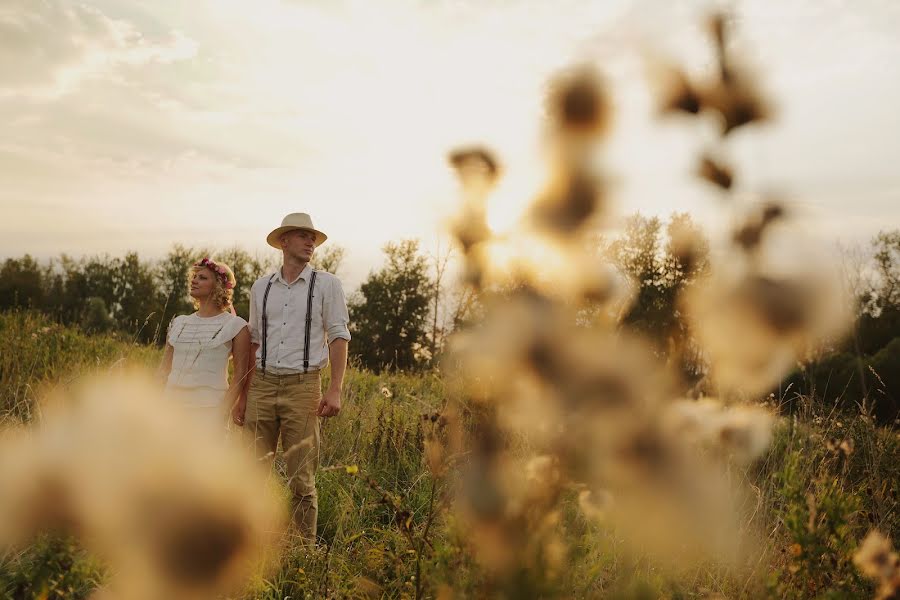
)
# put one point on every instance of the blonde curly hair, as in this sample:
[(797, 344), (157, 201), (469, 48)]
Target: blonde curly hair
[(223, 292)]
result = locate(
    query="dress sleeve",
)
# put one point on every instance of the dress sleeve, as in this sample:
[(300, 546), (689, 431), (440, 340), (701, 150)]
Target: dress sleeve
[(233, 328), (174, 327)]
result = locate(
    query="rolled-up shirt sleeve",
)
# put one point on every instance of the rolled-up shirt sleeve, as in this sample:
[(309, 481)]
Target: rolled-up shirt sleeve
[(337, 318), (254, 321)]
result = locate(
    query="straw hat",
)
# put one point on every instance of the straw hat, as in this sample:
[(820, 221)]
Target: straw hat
[(291, 222)]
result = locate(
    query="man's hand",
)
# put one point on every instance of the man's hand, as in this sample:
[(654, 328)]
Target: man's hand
[(238, 410), (330, 404)]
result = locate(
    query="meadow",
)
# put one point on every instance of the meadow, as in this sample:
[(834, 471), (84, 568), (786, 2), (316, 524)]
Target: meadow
[(388, 530)]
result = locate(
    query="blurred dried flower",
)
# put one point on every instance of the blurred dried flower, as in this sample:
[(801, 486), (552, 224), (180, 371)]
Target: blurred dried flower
[(737, 101), (746, 432), (743, 431), (749, 235), (754, 321), (715, 173), (176, 511), (875, 557), (847, 446), (475, 162), (478, 172), (574, 195), (434, 457), (595, 505), (717, 29), (682, 97), (674, 90), (578, 103)]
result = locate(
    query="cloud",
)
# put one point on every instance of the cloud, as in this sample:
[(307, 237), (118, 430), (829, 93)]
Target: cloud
[(49, 47)]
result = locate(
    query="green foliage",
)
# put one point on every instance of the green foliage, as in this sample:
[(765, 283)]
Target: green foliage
[(135, 297), (22, 283), (329, 259), (653, 262), (810, 502), (388, 317), (96, 317), (51, 567), (865, 368), (39, 352), (845, 380), (832, 479)]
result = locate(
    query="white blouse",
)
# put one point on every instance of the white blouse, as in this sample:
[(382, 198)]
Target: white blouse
[(202, 347)]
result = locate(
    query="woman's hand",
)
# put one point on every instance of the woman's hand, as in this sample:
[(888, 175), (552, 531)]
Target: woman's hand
[(238, 411)]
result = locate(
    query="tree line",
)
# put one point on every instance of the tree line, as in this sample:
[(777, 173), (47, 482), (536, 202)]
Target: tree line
[(403, 311)]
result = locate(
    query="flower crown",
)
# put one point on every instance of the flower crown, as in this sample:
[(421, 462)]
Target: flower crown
[(220, 271)]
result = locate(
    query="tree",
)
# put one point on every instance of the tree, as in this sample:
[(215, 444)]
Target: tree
[(879, 322), (660, 270), (172, 292), (134, 290), (329, 258), (388, 316), (247, 269), (87, 278), (442, 313), (96, 317), (21, 283)]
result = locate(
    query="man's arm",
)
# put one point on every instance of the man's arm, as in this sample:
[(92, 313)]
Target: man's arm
[(235, 397), (254, 325), (251, 369), (330, 404)]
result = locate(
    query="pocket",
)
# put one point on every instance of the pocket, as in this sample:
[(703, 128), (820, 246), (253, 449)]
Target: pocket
[(313, 386)]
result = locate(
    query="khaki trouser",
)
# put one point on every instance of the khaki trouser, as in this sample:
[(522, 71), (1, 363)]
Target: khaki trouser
[(287, 405)]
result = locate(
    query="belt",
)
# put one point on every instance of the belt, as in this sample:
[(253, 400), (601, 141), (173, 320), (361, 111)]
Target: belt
[(285, 376)]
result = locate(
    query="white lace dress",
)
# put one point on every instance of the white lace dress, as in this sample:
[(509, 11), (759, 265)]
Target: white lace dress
[(199, 375)]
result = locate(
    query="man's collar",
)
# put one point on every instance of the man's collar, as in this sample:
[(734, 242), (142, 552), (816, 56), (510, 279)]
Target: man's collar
[(304, 275)]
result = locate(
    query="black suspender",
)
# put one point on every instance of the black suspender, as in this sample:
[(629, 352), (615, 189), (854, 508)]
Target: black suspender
[(312, 284), (265, 321)]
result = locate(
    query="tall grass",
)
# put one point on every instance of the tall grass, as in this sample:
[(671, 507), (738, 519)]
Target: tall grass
[(827, 480)]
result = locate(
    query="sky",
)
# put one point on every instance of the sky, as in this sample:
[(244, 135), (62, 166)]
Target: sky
[(134, 125)]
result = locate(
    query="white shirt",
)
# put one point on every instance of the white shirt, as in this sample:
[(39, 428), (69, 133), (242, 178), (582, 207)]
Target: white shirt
[(286, 312), (201, 349)]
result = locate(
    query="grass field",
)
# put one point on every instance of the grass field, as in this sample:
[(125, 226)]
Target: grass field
[(387, 525)]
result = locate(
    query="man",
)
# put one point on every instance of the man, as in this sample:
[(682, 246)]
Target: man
[(298, 324)]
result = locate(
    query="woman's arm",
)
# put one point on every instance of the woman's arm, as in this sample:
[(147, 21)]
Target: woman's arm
[(240, 350), (165, 365)]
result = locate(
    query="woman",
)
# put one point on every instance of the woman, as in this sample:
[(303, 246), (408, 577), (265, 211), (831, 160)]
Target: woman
[(198, 346)]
